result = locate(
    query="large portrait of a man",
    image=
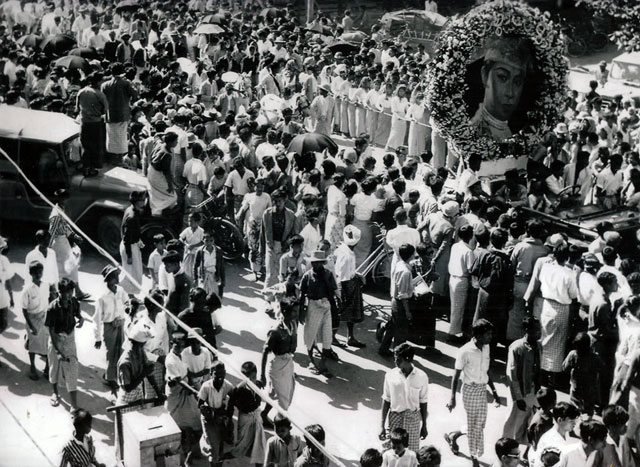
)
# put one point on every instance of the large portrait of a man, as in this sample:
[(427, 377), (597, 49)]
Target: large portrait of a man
[(502, 86)]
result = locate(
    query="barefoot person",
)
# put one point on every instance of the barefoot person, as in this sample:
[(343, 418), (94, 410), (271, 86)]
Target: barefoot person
[(35, 300), (63, 316)]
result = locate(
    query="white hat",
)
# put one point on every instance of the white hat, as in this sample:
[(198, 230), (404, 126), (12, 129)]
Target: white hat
[(351, 235), (140, 331), (450, 208), (561, 128)]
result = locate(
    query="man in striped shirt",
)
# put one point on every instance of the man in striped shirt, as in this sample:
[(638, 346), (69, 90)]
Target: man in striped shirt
[(80, 451)]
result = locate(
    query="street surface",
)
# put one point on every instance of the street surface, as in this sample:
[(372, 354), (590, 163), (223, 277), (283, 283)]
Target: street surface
[(347, 406)]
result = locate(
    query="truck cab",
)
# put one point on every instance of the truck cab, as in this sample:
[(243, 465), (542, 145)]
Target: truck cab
[(46, 148)]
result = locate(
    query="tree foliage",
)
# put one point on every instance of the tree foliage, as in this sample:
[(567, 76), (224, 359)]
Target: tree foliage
[(626, 16)]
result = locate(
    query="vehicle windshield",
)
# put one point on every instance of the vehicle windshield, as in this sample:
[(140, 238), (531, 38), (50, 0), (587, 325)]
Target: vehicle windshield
[(625, 71)]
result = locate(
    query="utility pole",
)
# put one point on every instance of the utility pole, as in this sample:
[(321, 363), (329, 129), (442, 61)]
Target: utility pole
[(310, 14)]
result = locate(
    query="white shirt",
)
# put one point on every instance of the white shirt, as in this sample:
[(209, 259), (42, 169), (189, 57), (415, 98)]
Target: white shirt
[(558, 283), (345, 267), (197, 363), (175, 367), (110, 306), (195, 172), (336, 202), (391, 459), (312, 238), (365, 205), (461, 259), (574, 456), (256, 205), (405, 392), (237, 183), (50, 264), (400, 235), (474, 363), (551, 438)]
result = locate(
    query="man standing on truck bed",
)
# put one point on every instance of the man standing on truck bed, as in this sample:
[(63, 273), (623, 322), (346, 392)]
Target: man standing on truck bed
[(120, 93), (92, 105)]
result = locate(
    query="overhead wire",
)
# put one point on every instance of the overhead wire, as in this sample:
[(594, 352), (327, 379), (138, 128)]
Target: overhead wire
[(177, 320)]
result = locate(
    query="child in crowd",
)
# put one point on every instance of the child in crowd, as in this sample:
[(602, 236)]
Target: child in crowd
[(550, 456), (311, 455), (428, 456), (585, 368), (399, 455), (155, 258), (616, 451), (192, 237), (284, 448), (542, 419), (371, 458)]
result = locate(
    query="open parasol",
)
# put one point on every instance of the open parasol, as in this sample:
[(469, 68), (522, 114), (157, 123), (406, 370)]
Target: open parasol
[(208, 29), (85, 52), (312, 142), (30, 40), (73, 62), (271, 103), (215, 18), (344, 47), (59, 44), (127, 5), (230, 77)]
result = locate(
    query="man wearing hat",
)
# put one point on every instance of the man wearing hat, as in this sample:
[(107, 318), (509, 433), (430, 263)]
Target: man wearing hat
[(131, 243), (134, 367), (602, 74), (120, 93), (109, 320), (349, 282), (321, 110), (317, 296)]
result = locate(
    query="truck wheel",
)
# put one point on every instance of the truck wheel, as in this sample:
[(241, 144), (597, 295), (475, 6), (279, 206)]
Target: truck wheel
[(228, 238), (109, 234), (381, 273)]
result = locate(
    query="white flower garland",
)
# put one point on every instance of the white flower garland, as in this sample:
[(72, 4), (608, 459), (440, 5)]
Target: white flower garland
[(455, 50)]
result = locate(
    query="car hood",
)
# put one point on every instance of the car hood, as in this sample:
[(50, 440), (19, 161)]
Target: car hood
[(115, 180)]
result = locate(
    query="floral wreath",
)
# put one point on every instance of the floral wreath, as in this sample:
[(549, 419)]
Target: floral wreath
[(447, 73)]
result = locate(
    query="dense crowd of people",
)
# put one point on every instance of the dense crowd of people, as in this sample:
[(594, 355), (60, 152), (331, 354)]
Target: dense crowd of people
[(211, 117)]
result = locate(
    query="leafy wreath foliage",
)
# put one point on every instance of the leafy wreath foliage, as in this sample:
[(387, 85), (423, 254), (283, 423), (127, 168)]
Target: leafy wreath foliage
[(448, 89)]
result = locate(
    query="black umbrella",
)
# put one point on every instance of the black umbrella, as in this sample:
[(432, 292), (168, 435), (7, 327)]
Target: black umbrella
[(216, 18), (314, 142), (344, 47), (127, 5), (30, 40), (59, 44), (269, 12), (74, 62), (85, 52)]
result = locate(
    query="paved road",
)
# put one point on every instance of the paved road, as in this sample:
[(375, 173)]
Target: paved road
[(347, 405)]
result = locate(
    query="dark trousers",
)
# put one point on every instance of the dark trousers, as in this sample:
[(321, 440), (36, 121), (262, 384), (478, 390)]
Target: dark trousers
[(397, 328), (92, 138)]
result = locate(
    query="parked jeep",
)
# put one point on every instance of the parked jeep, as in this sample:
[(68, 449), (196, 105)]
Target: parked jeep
[(46, 146)]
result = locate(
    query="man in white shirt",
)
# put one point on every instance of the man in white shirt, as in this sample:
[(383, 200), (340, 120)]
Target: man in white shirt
[(565, 416), (472, 364), (249, 218), (460, 263), (109, 319), (311, 232), (349, 282), (401, 234), (236, 186), (405, 397), (593, 435), (45, 256)]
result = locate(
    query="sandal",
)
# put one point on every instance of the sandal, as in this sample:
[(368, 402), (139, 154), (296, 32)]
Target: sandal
[(453, 444), (55, 400)]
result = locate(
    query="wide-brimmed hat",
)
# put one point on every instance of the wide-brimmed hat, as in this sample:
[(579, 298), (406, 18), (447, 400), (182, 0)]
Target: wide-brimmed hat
[(325, 87), (107, 271), (351, 235), (318, 256), (195, 332)]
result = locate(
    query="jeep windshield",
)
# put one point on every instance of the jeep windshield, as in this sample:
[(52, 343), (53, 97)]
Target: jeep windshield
[(623, 71)]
